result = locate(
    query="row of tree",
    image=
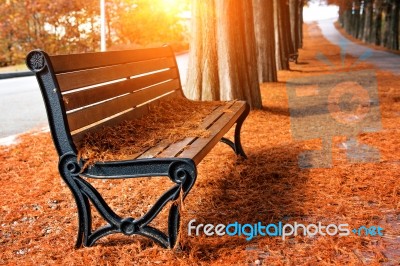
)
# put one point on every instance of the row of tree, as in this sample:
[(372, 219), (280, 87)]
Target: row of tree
[(60, 26), (372, 21), (236, 45)]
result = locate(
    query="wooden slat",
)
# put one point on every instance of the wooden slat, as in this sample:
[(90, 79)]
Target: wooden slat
[(201, 146), (153, 151), (101, 111), (97, 94), (75, 62), (79, 79), (135, 113), (174, 149)]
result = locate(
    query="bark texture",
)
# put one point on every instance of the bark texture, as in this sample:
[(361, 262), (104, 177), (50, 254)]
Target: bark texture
[(265, 40), (223, 60)]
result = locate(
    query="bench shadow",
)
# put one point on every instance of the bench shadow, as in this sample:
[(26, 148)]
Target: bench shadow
[(264, 188), (259, 188)]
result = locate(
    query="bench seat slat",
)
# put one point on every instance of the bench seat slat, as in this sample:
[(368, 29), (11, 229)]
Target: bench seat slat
[(74, 80), (201, 146), (75, 62), (97, 94), (214, 122), (154, 151), (174, 149), (101, 111)]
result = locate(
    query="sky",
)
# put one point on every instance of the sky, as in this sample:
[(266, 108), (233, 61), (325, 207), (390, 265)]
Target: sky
[(315, 11)]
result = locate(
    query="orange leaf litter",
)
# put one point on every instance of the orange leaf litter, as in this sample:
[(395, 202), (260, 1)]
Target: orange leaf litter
[(39, 220)]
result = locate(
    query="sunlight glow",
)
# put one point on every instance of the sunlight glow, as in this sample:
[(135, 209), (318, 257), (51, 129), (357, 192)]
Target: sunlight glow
[(316, 11), (170, 6)]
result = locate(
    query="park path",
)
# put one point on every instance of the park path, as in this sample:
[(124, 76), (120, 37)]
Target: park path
[(385, 61)]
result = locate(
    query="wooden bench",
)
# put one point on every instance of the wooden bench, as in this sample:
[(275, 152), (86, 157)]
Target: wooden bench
[(294, 57), (85, 92)]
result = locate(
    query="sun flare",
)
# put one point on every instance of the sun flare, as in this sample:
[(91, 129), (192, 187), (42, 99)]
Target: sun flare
[(171, 6)]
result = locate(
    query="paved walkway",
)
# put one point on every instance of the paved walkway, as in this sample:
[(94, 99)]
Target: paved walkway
[(381, 59)]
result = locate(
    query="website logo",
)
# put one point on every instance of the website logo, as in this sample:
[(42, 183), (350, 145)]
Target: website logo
[(249, 231)]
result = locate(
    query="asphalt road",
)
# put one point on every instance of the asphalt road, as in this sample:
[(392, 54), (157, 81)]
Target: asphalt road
[(21, 104), (382, 60)]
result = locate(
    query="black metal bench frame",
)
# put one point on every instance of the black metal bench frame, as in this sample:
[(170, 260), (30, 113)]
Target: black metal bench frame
[(180, 170)]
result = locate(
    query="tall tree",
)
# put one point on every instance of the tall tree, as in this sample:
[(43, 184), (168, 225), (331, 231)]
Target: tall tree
[(377, 23), (301, 22), (283, 40), (233, 35), (355, 19), (295, 22), (265, 40), (393, 36), (203, 80), (367, 30)]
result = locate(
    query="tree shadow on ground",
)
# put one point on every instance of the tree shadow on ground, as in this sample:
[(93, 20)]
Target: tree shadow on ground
[(259, 188), (264, 188)]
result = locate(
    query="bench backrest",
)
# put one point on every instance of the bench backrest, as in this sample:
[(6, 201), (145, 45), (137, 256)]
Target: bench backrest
[(98, 89)]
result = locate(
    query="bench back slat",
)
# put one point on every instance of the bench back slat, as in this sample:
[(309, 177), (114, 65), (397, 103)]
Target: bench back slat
[(75, 62), (94, 113), (83, 78), (94, 95)]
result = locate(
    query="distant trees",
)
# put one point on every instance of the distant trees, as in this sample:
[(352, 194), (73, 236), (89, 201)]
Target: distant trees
[(372, 21), (57, 26), (60, 26), (236, 45)]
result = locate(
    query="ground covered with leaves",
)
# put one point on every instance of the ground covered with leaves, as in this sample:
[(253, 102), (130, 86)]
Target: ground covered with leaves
[(359, 187)]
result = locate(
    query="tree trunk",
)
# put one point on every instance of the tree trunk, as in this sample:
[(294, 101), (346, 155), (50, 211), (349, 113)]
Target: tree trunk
[(377, 23), (294, 6), (355, 23), (265, 40), (283, 43), (301, 22), (237, 59), (222, 59), (347, 16), (386, 25), (202, 80), (341, 12), (367, 21), (393, 42)]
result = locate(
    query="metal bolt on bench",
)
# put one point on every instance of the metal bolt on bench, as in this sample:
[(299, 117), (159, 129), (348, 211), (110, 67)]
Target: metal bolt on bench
[(79, 97)]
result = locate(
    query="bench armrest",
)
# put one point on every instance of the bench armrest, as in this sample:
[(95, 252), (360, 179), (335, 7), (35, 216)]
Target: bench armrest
[(175, 168)]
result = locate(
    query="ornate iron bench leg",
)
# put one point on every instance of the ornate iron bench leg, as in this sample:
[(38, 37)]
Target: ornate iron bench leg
[(181, 172), (237, 145), (69, 170)]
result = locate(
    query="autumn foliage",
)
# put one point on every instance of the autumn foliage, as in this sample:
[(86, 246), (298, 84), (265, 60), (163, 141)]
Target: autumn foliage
[(60, 27)]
